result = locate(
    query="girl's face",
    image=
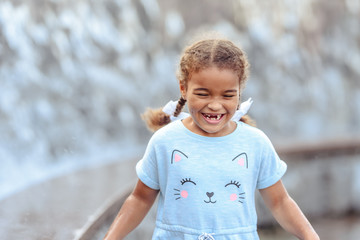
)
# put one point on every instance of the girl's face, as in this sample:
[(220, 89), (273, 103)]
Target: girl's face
[(212, 97)]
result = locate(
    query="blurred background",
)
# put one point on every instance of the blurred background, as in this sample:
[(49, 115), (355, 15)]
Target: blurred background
[(76, 75)]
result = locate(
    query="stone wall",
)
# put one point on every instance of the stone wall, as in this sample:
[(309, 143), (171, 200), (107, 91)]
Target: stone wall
[(75, 75)]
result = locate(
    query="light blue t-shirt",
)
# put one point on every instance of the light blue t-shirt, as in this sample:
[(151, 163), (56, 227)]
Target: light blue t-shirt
[(207, 184)]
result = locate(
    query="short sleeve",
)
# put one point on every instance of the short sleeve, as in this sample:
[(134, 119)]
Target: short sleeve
[(272, 168), (146, 168)]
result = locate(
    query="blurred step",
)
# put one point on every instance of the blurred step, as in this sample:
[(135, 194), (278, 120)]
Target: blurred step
[(56, 209)]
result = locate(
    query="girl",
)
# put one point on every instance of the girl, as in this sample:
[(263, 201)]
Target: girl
[(207, 165)]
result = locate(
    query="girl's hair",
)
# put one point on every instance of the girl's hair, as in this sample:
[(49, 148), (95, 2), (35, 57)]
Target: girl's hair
[(203, 54)]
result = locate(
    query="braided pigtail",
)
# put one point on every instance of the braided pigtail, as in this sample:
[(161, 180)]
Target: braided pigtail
[(180, 105), (248, 120), (157, 118)]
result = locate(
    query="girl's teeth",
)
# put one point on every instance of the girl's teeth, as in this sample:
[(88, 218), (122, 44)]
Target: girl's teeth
[(217, 117)]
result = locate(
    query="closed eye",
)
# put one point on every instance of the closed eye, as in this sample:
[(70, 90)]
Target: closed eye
[(185, 180), (237, 184), (201, 94), (230, 93)]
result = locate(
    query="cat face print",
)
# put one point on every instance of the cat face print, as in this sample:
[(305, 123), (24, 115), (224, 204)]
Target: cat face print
[(209, 187)]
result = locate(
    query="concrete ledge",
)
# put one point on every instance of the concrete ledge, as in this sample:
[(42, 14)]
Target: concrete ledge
[(322, 177), (309, 150), (56, 209), (102, 215)]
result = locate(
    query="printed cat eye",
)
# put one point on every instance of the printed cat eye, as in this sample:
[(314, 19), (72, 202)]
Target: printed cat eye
[(237, 184), (185, 180)]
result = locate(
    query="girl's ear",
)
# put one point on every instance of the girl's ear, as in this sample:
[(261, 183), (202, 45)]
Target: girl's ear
[(177, 156), (241, 160), (183, 91)]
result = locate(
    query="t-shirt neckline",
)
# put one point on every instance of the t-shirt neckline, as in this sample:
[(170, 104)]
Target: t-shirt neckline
[(206, 138)]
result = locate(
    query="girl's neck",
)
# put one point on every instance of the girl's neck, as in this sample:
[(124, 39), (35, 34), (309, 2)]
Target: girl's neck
[(194, 128)]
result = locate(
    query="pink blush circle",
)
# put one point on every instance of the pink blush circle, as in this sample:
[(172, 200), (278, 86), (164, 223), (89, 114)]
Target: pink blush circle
[(233, 197), (184, 194)]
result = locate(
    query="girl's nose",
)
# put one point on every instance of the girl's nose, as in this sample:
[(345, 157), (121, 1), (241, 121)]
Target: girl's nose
[(214, 105)]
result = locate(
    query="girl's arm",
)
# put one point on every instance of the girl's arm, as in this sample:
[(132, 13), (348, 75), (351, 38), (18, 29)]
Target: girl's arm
[(287, 212), (132, 212)]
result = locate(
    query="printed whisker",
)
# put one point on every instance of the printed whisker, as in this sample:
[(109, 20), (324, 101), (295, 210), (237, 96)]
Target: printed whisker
[(177, 198), (176, 193), (241, 197), (176, 189)]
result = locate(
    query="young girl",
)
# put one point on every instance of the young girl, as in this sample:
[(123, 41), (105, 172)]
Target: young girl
[(207, 165)]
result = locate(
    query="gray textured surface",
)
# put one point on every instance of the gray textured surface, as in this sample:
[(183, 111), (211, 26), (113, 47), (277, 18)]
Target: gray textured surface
[(55, 209)]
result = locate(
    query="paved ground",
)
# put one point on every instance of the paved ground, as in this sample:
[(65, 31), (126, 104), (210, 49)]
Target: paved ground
[(57, 208)]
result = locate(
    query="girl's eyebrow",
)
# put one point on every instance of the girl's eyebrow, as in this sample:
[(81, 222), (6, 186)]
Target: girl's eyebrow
[(201, 89), (205, 89)]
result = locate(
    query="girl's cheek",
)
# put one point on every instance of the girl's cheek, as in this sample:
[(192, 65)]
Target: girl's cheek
[(184, 194), (233, 197)]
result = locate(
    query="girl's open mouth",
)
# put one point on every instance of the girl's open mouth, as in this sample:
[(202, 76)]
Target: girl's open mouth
[(213, 118)]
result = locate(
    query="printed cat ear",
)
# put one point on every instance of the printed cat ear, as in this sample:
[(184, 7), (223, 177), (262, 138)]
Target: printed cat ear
[(242, 160), (177, 156)]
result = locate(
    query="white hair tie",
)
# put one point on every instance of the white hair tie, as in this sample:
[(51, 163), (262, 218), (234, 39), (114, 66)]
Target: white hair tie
[(244, 108), (170, 108)]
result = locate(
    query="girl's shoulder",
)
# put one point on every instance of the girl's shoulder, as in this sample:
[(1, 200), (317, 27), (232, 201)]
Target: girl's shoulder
[(168, 131), (252, 132), (249, 129)]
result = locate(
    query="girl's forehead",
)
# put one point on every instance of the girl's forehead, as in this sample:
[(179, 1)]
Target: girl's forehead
[(215, 77), (210, 70)]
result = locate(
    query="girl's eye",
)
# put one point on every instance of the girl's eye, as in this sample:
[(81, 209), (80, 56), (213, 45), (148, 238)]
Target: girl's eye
[(229, 96), (185, 180), (201, 94), (237, 184)]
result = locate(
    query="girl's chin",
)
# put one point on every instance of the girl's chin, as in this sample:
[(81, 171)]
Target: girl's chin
[(217, 129)]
